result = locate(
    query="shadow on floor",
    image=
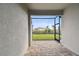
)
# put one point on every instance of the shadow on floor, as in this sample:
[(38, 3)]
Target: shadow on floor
[(48, 48)]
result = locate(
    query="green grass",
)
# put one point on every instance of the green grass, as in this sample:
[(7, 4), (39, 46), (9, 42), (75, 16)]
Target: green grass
[(44, 36)]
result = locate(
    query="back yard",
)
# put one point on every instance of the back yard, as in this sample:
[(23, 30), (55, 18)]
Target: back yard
[(44, 36)]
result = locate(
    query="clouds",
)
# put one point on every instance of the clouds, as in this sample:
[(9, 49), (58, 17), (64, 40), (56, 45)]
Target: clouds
[(43, 22)]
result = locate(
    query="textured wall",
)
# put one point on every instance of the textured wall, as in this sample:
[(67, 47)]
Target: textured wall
[(13, 30), (70, 28)]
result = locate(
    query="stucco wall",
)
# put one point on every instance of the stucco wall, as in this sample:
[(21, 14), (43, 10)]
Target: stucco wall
[(70, 28), (13, 30)]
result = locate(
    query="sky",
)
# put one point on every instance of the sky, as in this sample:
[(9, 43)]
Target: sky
[(44, 22)]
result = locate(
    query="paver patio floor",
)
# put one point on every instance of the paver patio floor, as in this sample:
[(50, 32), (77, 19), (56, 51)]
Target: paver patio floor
[(48, 48)]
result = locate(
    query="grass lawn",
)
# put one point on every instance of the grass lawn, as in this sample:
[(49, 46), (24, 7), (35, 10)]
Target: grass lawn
[(44, 36)]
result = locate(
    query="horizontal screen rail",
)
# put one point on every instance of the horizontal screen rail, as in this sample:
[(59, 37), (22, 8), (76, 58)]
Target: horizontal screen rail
[(43, 18)]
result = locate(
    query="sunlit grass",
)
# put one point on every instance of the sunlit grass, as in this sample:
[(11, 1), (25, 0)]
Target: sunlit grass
[(44, 36)]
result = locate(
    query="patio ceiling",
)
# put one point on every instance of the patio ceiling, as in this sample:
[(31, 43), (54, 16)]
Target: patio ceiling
[(47, 6)]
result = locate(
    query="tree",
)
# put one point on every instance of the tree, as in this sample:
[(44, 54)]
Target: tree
[(47, 28)]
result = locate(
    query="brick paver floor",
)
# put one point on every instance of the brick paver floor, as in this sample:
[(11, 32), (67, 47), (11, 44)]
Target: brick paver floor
[(48, 48)]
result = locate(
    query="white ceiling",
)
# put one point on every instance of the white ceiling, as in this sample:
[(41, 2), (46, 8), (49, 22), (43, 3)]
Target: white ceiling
[(47, 6)]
